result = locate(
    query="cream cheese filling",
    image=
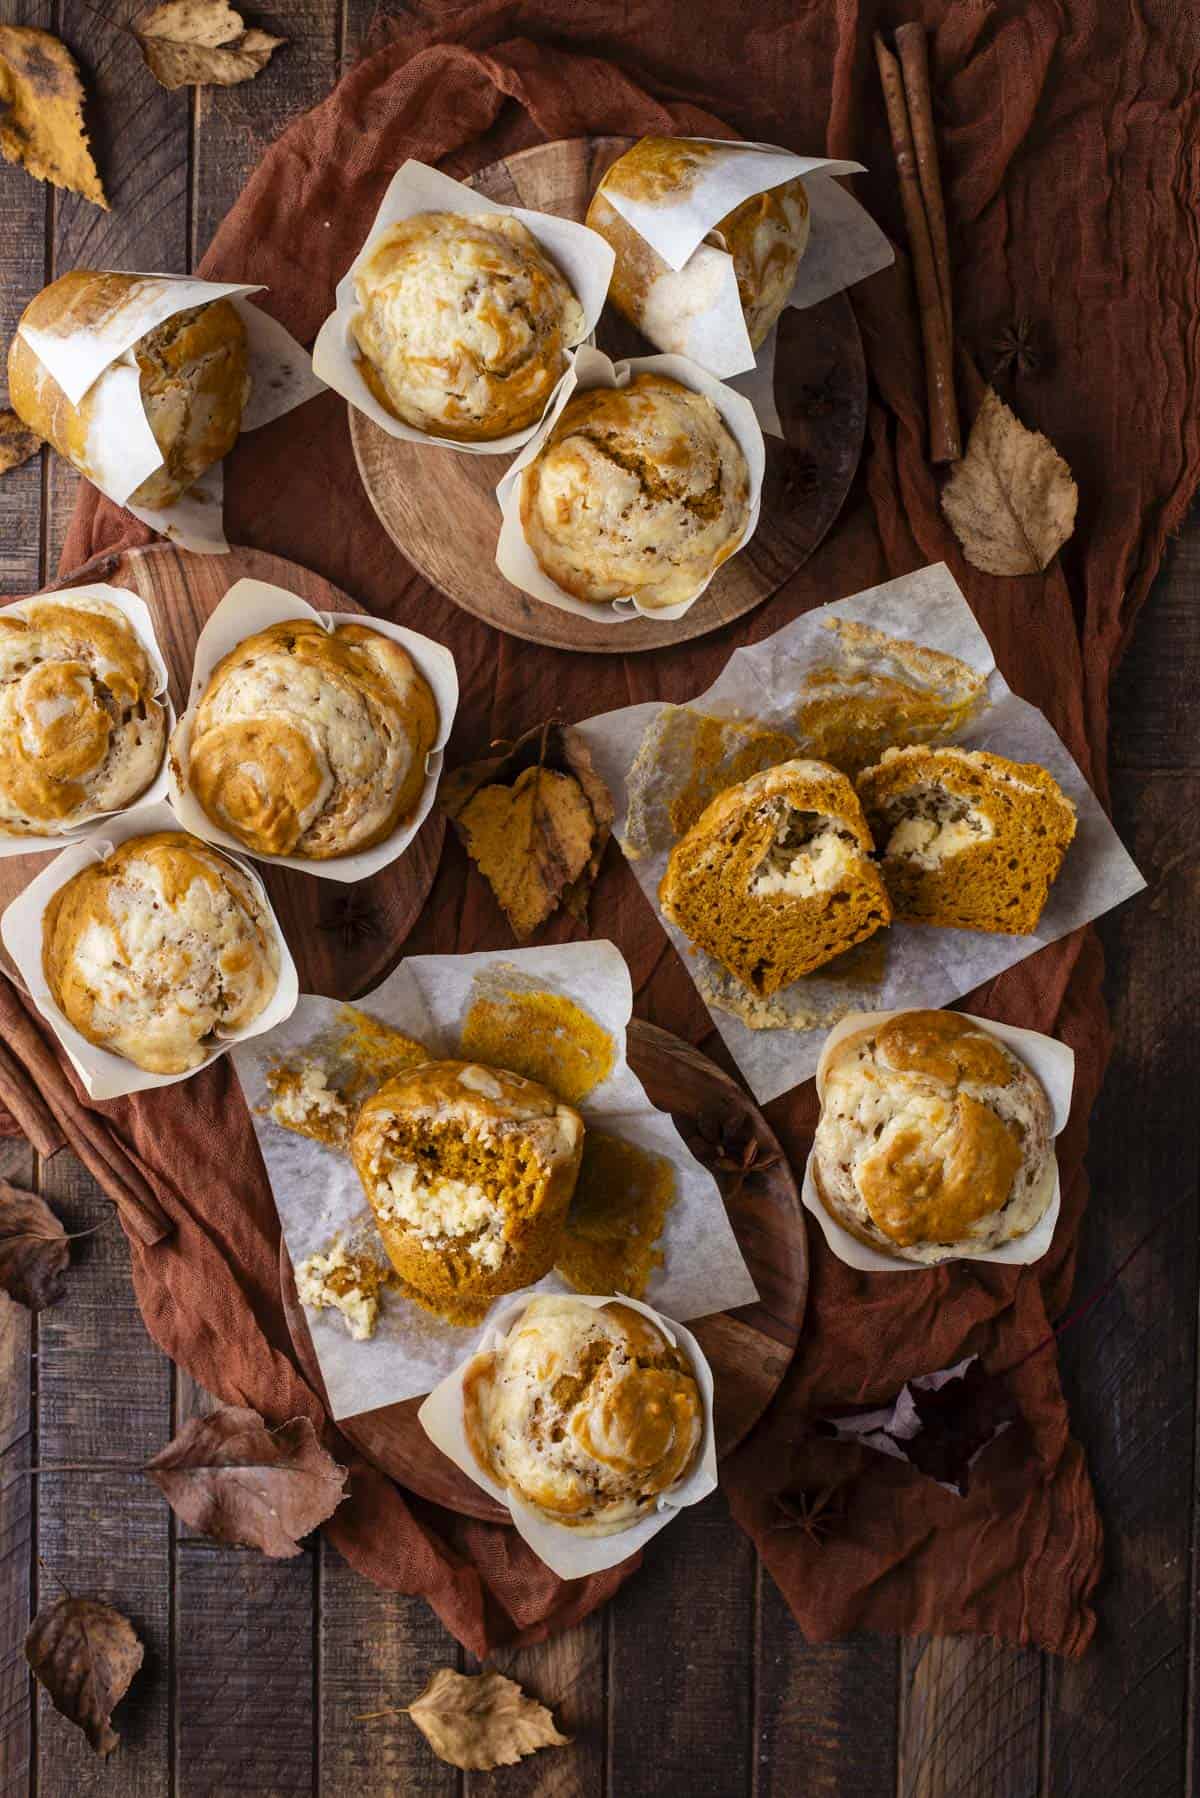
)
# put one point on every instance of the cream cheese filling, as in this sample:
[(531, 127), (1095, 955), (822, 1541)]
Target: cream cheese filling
[(442, 1210), (803, 862), (930, 841)]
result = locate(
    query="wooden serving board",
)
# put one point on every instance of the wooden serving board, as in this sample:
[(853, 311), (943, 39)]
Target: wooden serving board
[(439, 507), (344, 937), (749, 1349)]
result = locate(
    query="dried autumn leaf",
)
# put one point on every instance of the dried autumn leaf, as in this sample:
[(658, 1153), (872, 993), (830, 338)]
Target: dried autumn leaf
[(17, 442), (34, 1252), (41, 112), (193, 43), (939, 1422), (1012, 498), (230, 1476), (482, 1720), (535, 821), (85, 1654)]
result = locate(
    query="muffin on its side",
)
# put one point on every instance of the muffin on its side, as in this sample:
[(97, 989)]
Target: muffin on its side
[(968, 839), (311, 742), (935, 1140), (464, 323), (638, 492), (160, 950), (775, 877), (469, 1171), (584, 1413)]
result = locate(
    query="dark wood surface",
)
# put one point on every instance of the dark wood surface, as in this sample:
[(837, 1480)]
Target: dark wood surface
[(439, 507), (694, 1682)]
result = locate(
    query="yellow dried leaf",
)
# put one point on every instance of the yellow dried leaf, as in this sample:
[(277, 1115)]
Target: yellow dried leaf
[(1012, 498), (530, 841), (41, 112), (192, 43), (482, 1720), (17, 442)]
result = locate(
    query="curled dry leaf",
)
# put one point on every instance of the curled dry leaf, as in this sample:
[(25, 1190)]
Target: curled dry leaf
[(482, 1720), (535, 820), (230, 1476), (193, 43), (34, 1252), (41, 112), (940, 1423), (85, 1654), (17, 442), (1011, 500)]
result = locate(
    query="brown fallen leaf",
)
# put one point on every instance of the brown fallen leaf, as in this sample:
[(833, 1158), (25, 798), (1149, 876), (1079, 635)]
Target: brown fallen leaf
[(535, 820), (1012, 498), (17, 442), (85, 1654), (194, 43), (478, 1721), (940, 1423), (230, 1476), (41, 112), (34, 1251)]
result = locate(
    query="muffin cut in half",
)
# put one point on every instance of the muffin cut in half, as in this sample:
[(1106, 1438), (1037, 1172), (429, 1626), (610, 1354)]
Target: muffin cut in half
[(584, 1413), (968, 839), (469, 1171), (935, 1140), (775, 877)]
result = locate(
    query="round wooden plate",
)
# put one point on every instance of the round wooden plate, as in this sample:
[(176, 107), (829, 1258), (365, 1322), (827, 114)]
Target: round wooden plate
[(439, 508), (344, 938), (749, 1349)]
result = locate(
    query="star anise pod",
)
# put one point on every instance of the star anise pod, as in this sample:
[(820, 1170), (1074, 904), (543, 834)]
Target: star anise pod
[(351, 918), (816, 1511), (800, 475), (728, 1145), (1017, 349)]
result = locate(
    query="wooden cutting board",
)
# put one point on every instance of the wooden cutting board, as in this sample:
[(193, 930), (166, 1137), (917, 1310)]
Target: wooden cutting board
[(749, 1349), (439, 508), (344, 938)]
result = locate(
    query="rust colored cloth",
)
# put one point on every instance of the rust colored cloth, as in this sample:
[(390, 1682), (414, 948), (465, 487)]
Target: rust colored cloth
[(1072, 198)]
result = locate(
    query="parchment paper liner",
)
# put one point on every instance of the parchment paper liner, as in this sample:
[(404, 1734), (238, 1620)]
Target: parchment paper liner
[(1053, 1063), (122, 448), (133, 607), (845, 245), (105, 1075), (582, 255), (564, 1550), (925, 966), (318, 1195), (251, 606), (514, 558)]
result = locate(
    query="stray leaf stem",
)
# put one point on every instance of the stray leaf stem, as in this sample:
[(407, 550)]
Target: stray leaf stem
[(391, 1711)]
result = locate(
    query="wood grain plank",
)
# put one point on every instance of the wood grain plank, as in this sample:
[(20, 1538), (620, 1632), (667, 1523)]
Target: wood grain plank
[(1154, 721), (104, 1392), (681, 1664), (970, 1719), (567, 1673), (826, 1712), (244, 1674), (17, 1500), (377, 1650)]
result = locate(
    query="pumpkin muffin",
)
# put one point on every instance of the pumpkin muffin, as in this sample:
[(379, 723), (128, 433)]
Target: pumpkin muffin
[(469, 1171), (585, 1414), (935, 1140), (464, 324), (639, 492), (968, 839), (775, 878)]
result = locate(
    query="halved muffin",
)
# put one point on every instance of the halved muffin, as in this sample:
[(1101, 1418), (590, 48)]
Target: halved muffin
[(775, 877), (469, 1171), (968, 839)]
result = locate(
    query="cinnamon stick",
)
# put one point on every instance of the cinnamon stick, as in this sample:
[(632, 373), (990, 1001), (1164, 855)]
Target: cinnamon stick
[(945, 442), (914, 62), (34, 1117)]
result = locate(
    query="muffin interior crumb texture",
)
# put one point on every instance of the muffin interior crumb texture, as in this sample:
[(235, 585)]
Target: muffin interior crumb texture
[(968, 839), (159, 951), (586, 1414), (935, 1140), (463, 324), (638, 492), (775, 877)]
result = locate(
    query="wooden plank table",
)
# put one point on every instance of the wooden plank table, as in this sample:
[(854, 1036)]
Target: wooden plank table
[(695, 1681)]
